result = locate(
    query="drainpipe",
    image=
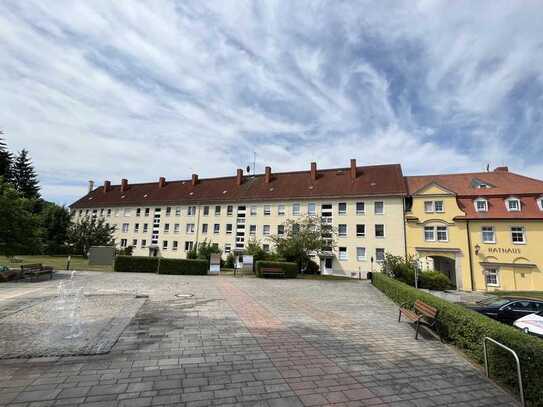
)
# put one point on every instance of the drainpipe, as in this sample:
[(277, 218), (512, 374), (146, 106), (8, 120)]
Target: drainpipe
[(470, 258), (197, 224), (404, 229)]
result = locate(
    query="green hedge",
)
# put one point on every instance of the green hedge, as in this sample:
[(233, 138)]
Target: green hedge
[(193, 267), (290, 269), (466, 329), (136, 264)]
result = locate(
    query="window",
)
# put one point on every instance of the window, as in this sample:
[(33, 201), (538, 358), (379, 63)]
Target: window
[(311, 209), (227, 248), (360, 208), (252, 230), (176, 228), (360, 230), (267, 210), (190, 228), (145, 227), (513, 204), (342, 253), (166, 228), (191, 211), (296, 209), (252, 210), (143, 243), (379, 255), (216, 228), (117, 212), (174, 245), (188, 246), (428, 206), (217, 210), (342, 230), (229, 228), (138, 212), (126, 212), (517, 235), (81, 212), (488, 234), (204, 228), (229, 210), (177, 211), (360, 253), (491, 277), (108, 213), (168, 210), (136, 227), (379, 230), (266, 230), (342, 208), (147, 210), (481, 205), (206, 210), (540, 203), (379, 207), (280, 209), (125, 227), (439, 207), (102, 212), (442, 233), (124, 242), (429, 234), (134, 242), (266, 247), (280, 229)]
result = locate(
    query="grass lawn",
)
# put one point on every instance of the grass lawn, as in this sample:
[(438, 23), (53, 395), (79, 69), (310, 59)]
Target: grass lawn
[(58, 262), (532, 294)]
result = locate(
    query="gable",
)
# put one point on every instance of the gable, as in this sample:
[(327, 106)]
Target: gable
[(433, 188)]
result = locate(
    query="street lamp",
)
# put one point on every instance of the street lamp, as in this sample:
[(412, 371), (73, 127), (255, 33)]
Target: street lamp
[(477, 249)]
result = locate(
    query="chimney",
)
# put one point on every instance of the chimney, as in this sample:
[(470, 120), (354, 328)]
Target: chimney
[(313, 171), (501, 169), (124, 185), (161, 182), (194, 179), (91, 186), (267, 177), (107, 186), (353, 168), (239, 176)]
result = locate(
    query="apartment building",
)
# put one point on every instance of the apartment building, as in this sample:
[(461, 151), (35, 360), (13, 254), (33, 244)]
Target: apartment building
[(365, 204), (483, 230)]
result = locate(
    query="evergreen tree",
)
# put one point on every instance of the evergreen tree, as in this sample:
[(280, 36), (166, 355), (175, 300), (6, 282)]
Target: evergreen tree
[(24, 176), (5, 160)]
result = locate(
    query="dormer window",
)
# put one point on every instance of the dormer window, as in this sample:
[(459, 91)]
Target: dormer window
[(481, 205), (512, 204), (540, 203)]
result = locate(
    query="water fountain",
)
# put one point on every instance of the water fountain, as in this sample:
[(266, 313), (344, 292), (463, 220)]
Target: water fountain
[(68, 307)]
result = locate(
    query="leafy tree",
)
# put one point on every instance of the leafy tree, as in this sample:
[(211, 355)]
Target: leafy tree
[(90, 232), (55, 222), (19, 227), (6, 160), (304, 239), (230, 261), (254, 248), (203, 251), (24, 176)]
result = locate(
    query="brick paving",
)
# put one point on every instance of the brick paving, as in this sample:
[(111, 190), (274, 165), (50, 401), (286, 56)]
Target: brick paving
[(248, 342)]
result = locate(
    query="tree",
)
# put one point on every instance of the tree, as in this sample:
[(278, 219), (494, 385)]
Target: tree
[(90, 232), (24, 176), (6, 159), (19, 227), (203, 251), (254, 248), (303, 239), (55, 221)]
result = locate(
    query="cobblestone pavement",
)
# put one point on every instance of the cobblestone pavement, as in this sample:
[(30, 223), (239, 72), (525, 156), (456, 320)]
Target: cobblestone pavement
[(247, 342)]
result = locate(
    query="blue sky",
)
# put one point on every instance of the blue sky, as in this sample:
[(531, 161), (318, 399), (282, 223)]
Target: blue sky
[(104, 90)]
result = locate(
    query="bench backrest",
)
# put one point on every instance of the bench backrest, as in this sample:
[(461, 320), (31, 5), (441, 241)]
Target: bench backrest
[(36, 266), (425, 309)]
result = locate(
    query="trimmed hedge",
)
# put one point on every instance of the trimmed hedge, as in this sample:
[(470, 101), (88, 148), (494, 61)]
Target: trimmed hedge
[(194, 267), (136, 264), (434, 280), (466, 329), (290, 269)]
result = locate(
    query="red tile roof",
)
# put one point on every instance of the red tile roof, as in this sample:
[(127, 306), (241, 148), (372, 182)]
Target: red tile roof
[(377, 180), (498, 210)]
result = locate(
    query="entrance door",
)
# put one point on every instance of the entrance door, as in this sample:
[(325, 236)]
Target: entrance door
[(328, 265)]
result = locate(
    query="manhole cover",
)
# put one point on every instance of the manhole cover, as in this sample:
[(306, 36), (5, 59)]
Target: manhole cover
[(184, 295)]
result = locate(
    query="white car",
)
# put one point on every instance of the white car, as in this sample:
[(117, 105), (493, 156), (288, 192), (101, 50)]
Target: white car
[(532, 323)]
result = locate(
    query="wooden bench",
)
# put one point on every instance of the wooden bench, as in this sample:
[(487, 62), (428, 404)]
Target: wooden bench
[(36, 271), (7, 274), (270, 271), (421, 313)]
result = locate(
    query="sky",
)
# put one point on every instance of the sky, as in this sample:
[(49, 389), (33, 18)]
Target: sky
[(102, 90)]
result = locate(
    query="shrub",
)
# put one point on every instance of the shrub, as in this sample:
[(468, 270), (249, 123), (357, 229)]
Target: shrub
[(192, 267), (312, 268), (136, 264), (290, 269), (434, 280), (466, 329), (230, 261)]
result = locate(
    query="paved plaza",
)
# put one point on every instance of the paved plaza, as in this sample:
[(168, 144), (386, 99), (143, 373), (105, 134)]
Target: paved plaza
[(225, 341)]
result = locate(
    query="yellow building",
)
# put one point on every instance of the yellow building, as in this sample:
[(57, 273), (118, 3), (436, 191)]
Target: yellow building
[(483, 230)]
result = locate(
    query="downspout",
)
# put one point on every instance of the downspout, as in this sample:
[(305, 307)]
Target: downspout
[(404, 229), (197, 225), (470, 258)]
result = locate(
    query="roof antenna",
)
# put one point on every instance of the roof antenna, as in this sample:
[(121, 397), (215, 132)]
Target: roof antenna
[(488, 168), (254, 161)]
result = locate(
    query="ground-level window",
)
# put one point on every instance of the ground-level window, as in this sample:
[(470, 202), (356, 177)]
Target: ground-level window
[(517, 234), (360, 253), (342, 230), (379, 254), (164, 245), (488, 234), (227, 248), (342, 253), (174, 245), (492, 277), (124, 242), (143, 243)]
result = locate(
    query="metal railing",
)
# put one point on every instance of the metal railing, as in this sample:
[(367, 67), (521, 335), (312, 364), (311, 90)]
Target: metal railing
[(519, 374)]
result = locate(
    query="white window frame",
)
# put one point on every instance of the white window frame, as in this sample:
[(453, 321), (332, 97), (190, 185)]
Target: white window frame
[(266, 230), (488, 230), (166, 228), (191, 210), (175, 244), (296, 209), (279, 232), (364, 227), (428, 206), (229, 232), (251, 233), (433, 230), (442, 210), (164, 245), (143, 243), (216, 228), (281, 209), (511, 199), (361, 258), (311, 212), (342, 254), (340, 234), (384, 253), (253, 210), (134, 242), (375, 230), (177, 211), (523, 230), (495, 272), (267, 210), (176, 227), (124, 227), (136, 227), (227, 248), (483, 200), (363, 210), (339, 210), (189, 229), (540, 203), (446, 233), (375, 208)]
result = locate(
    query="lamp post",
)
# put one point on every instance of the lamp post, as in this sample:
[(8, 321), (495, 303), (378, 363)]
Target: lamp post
[(477, 249)]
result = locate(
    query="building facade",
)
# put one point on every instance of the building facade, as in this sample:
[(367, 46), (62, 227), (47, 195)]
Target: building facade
[(364, 204)]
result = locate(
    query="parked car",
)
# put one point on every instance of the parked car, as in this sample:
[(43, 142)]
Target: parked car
[(532, 324), (508, 309)]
